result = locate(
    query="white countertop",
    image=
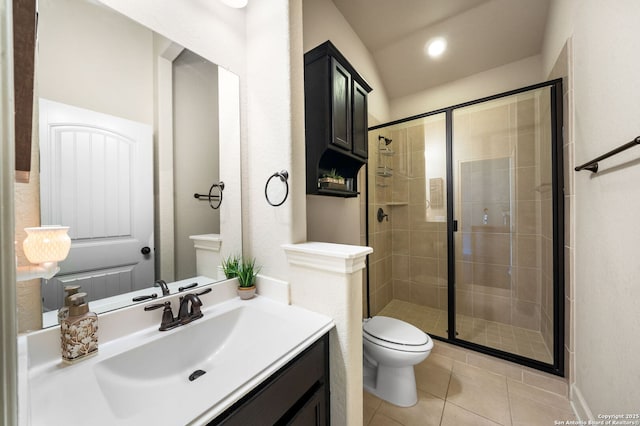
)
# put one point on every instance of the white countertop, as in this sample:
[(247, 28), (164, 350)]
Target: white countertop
[(74, 395)]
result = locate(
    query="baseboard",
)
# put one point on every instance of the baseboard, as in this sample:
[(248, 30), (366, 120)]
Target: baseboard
[(579, 404)]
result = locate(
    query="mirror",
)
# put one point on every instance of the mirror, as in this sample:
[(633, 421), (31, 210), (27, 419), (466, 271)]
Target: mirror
[(91, 59)]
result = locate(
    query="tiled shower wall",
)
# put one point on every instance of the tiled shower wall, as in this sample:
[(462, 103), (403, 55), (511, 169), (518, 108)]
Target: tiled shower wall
[(419, 243), (411, 259), (380, 282)]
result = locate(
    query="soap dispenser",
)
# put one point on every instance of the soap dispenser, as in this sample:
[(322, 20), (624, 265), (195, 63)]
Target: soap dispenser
[(70, 290), (79, 331)]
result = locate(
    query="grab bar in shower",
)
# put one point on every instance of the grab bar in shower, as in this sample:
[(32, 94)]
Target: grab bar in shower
[(592, 165)]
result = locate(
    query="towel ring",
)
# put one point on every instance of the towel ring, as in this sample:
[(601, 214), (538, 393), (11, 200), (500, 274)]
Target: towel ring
[(220, 187), (284, 177), (210, 197)]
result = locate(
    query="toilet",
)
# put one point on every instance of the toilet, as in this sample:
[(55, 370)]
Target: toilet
[(390, 350)]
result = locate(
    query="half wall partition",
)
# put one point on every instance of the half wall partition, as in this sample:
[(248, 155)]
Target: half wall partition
[(465, 218)]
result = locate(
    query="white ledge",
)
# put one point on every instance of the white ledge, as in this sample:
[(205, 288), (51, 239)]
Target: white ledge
[(340, 258), (210, 242)]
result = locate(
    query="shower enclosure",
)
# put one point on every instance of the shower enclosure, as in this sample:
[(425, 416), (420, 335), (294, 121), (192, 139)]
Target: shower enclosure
[(464, 212)]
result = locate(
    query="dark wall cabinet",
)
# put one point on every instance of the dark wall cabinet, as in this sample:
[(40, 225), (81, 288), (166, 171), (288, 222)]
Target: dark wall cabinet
[(297, 394), (335, 120)]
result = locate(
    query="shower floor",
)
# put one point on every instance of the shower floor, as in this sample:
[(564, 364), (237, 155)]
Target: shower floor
[(516, 340)]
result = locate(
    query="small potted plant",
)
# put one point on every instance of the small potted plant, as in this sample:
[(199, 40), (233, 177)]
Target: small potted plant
[(247, 272), (230, 266), (330, 179)]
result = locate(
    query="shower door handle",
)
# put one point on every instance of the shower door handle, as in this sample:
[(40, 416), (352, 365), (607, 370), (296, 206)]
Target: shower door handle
[(455, 226)]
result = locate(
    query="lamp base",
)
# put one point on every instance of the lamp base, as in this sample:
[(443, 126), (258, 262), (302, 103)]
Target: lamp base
[(44, 270)]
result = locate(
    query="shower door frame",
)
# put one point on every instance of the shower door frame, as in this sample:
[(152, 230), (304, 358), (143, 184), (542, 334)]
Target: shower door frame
[(556, 111)]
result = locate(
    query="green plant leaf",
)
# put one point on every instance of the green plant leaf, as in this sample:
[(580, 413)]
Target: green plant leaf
[(247, 272), (231, 266)]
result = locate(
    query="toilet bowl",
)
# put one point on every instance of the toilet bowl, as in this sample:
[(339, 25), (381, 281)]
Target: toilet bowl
[(390, 350)]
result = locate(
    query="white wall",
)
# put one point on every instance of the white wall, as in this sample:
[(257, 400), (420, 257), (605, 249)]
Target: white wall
[(558, 30), (275, 136), (497, 80), (90, 65), (606, 42), (209, 28)]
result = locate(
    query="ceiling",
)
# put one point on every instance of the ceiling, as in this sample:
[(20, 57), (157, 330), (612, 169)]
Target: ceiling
[(480, 34)]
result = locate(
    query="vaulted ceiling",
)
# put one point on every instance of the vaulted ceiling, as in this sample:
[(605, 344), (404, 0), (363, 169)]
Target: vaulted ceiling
[(480, 35)]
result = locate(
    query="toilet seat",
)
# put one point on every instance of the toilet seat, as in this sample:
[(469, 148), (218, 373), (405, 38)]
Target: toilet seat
[(394, 334)]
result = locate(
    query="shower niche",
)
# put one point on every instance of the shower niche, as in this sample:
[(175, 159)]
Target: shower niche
[(335, 122)]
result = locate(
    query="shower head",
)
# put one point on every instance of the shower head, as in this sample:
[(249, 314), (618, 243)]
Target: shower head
[(387, 141)]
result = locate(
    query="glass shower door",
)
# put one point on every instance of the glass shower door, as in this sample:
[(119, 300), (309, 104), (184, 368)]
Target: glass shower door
[(502, 202), (465, 215)]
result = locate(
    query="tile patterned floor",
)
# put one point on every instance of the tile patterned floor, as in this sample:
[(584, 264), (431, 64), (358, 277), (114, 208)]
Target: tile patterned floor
[(454, 392), (528, 343)]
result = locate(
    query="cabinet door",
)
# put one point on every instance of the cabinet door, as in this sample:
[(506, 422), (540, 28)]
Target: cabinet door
[(313, 412), (360, 139), (340, 106)]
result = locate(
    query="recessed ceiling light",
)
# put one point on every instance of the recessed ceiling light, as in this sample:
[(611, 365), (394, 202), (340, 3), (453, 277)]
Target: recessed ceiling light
[(436, 47), (238, 4)]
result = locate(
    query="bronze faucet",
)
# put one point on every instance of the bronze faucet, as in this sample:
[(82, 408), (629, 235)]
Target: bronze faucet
[(189, 310), (168, 321), (163, 286)]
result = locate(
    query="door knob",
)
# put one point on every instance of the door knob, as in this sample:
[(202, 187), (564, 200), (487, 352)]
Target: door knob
[(145, 250)]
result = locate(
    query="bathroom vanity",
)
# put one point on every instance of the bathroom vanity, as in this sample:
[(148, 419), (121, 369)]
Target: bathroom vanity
[(297, 394), (243, 360)]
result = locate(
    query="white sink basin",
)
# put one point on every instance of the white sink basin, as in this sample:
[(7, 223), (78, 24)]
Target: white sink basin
[(217, 346), (143, 378)]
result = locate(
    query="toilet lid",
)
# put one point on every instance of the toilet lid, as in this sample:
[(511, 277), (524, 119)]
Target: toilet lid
[(394, 331)]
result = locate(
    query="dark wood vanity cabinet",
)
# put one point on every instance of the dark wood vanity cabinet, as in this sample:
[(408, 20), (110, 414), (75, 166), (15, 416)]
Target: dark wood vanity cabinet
[(360, 121), (335, 119), (341, 134), (297, 394)]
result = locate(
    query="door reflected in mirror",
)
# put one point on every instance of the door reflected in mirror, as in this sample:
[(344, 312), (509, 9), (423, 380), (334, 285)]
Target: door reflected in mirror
[(129, 132)]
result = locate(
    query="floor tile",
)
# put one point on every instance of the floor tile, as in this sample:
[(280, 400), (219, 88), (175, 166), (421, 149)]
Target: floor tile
[(371, 404), (438, 360), (541, 396), (428, 411), (460, 387), (480, 394), (382, 420), (526, 412), (479, 376), (458, 416), (553, 384), (433, 379)]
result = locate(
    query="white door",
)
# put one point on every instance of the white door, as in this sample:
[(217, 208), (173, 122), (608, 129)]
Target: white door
[(97, 178)]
